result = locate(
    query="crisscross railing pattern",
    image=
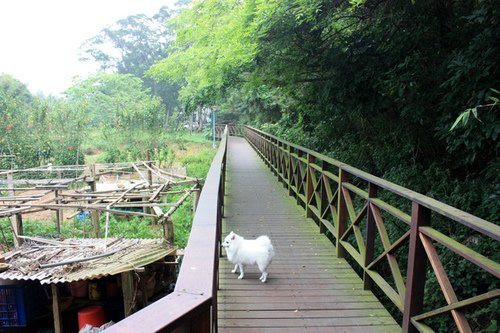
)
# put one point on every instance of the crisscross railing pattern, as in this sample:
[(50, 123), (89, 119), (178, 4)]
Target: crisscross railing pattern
[(233, 130), (354, 208)]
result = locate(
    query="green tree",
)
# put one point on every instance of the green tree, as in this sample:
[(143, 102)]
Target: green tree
[(9, 86), (37, 130), (117, 100), (131, 46), (214, 39)]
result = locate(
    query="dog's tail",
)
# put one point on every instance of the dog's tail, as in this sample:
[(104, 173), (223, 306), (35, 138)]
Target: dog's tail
[(266, 242), (263, 240)]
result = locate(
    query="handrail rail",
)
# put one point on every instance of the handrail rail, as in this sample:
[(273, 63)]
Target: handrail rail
[(453, 213), (355, 218), (192, 306), (233, 129)]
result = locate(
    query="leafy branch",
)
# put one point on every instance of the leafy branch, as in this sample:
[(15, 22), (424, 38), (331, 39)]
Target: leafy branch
[(465, 116)]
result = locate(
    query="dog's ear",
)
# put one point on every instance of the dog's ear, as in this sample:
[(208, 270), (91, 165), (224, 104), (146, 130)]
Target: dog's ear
[(234, 236)]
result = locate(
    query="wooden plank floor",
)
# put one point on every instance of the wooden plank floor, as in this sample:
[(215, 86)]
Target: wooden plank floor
[(308, 288)]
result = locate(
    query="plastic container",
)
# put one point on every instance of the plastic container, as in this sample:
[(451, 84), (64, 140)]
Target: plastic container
[(12, 306), (92, 315), (20, 303)]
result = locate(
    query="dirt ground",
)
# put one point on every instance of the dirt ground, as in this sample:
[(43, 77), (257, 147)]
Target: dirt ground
[(45, 215)]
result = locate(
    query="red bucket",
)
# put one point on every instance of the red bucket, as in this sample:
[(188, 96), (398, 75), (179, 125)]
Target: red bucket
[(92, 315)]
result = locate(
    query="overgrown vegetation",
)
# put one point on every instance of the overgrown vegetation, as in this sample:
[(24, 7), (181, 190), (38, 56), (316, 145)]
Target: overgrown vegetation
[(406, 90), (91, 126)]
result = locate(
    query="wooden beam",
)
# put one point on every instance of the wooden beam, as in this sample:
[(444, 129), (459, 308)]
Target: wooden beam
[(370, 238), (17, 227), (341, 214), (168, 230), (59, 213), (56, 309), (445, 284), (128, 292), (417, 262), (94, 213)]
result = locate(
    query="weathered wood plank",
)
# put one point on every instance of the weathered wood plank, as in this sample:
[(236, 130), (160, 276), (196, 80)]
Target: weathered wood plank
[(339, 313), (339, 329), (301, 306), (309, 322)]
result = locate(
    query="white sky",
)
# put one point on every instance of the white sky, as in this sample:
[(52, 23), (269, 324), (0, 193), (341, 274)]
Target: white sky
[(40, 39)]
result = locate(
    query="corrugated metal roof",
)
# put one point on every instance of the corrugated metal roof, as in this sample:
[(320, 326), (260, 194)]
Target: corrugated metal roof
[(126, 255)]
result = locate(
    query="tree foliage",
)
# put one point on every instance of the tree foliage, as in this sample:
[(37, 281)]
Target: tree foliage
[(131, 46), (37, 130), (117, 100), (213, 40), (374, 83)]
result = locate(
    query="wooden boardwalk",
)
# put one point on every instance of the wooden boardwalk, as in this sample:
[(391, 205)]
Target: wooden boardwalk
[(308, 288)]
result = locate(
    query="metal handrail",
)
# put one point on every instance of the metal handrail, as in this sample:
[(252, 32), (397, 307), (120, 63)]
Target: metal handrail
[(192, 306)]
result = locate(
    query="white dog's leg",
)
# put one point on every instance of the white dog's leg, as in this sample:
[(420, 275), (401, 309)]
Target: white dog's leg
[(241, 271), (235, 270), (263, 269)]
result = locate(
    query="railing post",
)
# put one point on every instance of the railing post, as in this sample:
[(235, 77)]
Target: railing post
[(309, 184), (274, 144), (370, 237), (417, 260), (274, 160), (324, 198), (201, 323), (290, 170), (341, 214)]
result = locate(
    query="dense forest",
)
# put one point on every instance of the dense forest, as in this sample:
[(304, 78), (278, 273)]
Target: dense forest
[(406, 90)]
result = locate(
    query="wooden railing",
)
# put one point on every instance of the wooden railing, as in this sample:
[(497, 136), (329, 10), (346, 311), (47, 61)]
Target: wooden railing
[(351, 207), (233, 130), (192, 307)]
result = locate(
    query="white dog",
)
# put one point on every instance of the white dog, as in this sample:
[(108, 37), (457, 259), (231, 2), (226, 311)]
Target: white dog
[(243, 252)]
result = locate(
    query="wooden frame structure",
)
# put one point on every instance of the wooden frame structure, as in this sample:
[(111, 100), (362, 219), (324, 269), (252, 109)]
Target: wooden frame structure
[(49, 188)]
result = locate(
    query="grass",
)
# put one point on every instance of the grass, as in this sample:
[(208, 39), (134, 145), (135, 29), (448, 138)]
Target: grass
[(197, 165), (115, 145)]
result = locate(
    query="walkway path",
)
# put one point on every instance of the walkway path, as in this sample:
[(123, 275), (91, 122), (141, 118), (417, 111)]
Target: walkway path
[(308, 288)]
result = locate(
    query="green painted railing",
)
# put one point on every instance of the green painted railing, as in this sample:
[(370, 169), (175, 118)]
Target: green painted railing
[(348, 205)]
